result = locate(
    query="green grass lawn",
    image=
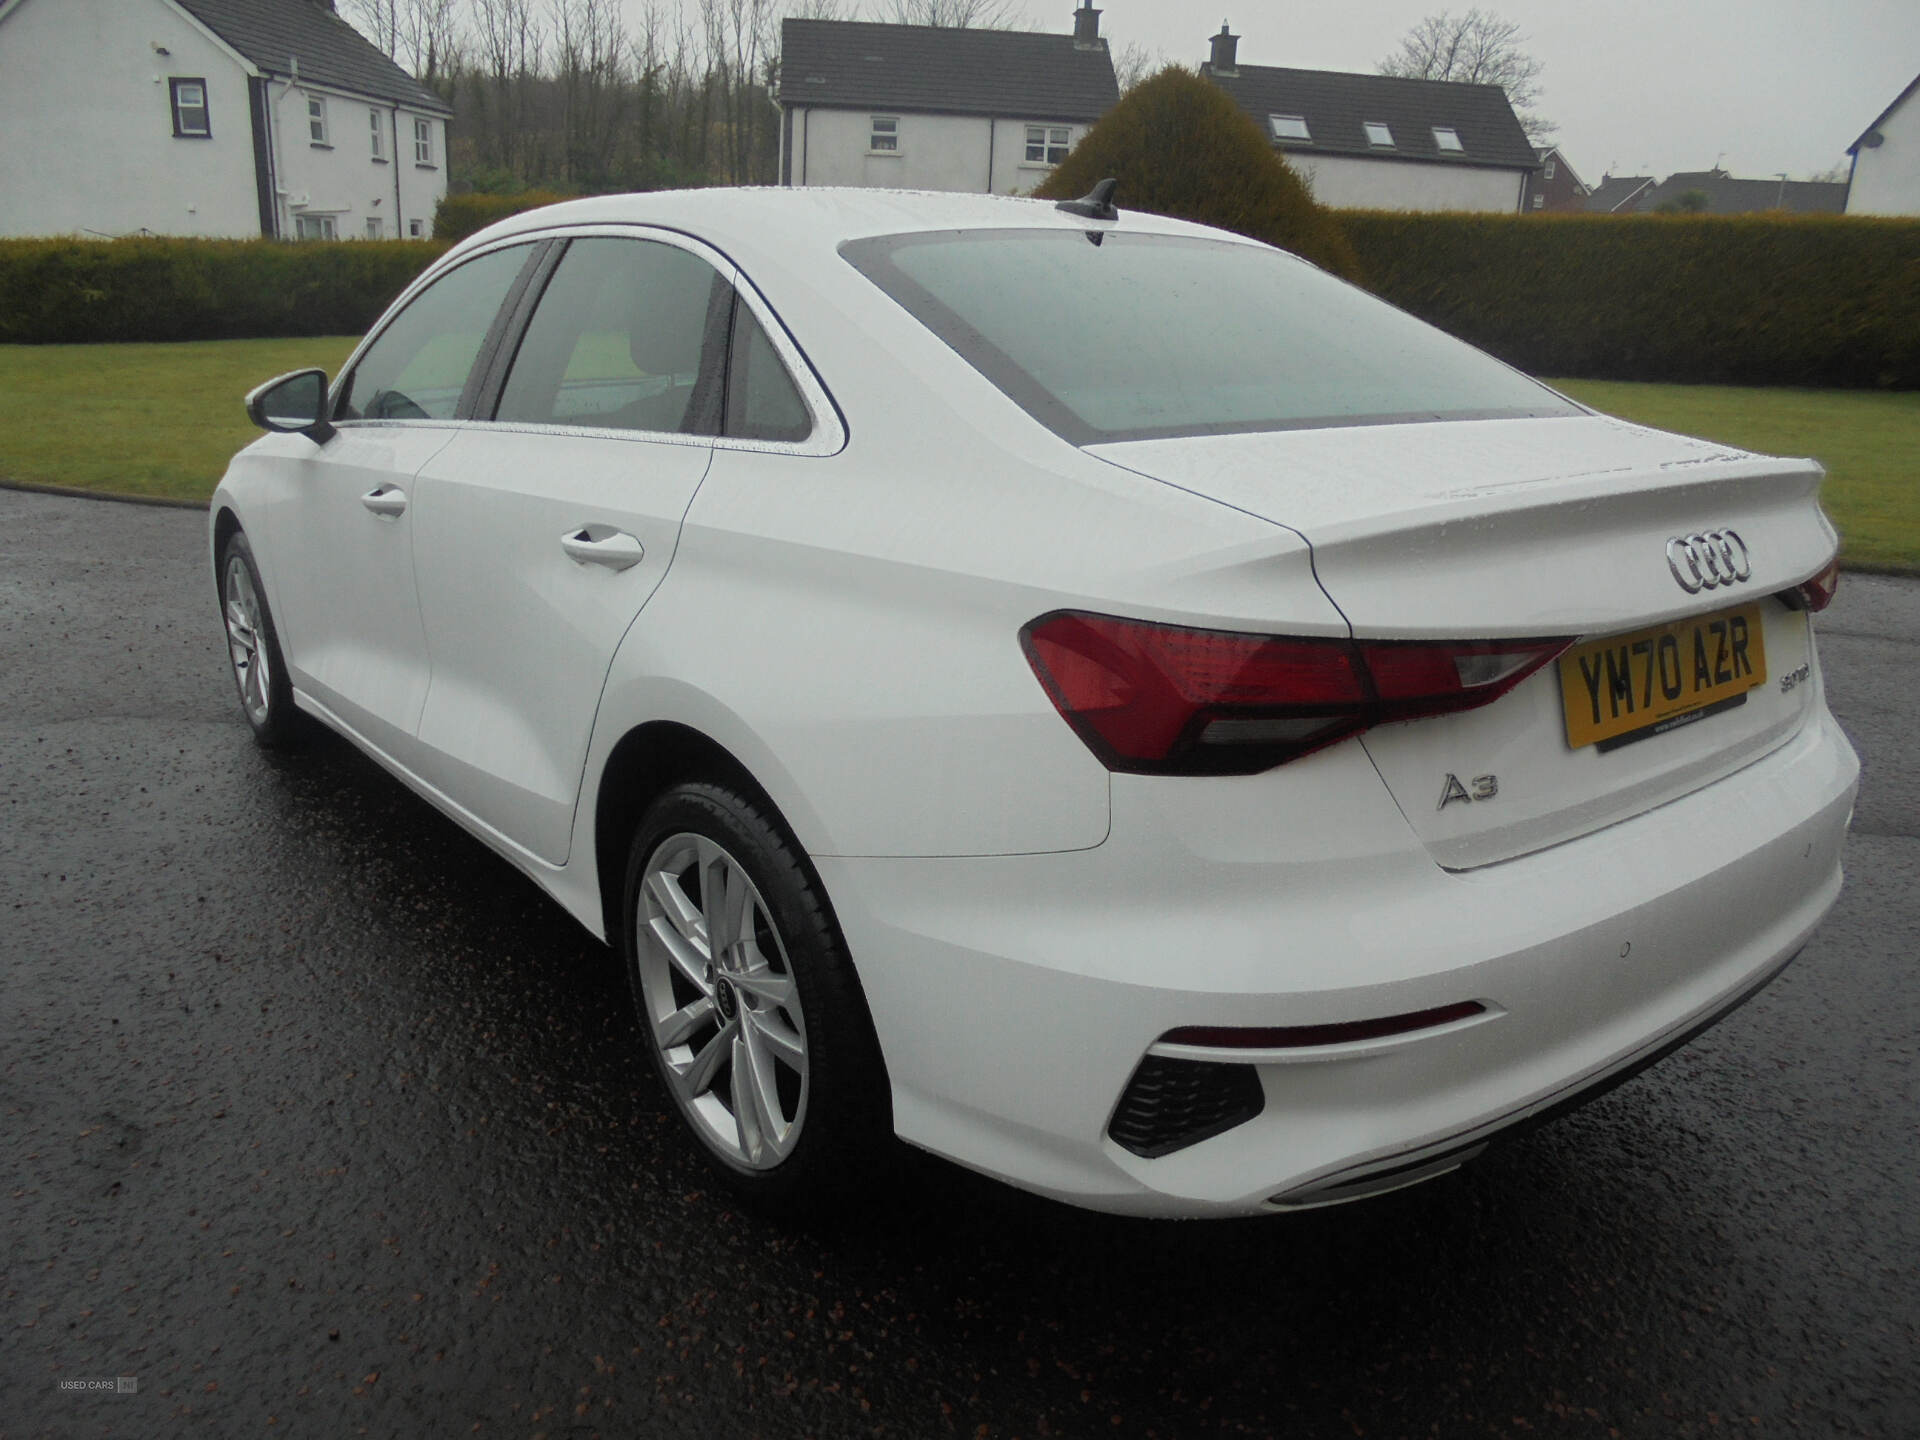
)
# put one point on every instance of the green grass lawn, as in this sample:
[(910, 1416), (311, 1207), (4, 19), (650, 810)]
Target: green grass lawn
[(1869, 440), (162, 420), (139, 419)]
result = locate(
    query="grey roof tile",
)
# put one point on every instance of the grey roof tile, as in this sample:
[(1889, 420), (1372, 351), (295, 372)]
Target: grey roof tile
[(1728, 196), (1619, 192), (1337, 105), (274, 34), (862, 65)]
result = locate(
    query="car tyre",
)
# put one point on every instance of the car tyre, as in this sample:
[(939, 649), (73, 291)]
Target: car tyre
[(748, 1002), (253, 648)]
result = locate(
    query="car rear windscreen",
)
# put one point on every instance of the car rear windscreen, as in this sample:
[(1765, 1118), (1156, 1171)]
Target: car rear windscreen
[(1140, 337)]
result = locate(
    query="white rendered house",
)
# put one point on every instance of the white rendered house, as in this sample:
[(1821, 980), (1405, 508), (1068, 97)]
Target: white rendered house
[(1380, 142), (230, 118), (1886, 160), (924, 107)]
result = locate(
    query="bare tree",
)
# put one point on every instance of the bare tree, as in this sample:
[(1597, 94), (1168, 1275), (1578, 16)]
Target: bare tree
[(1134, 62), (423, 36), (955, 14), (590, 48), (1478, 48)]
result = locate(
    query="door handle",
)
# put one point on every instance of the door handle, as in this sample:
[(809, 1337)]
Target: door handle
[(602, 545), (387, 501)]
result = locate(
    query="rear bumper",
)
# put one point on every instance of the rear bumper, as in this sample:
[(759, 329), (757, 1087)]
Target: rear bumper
[(1015, 996)]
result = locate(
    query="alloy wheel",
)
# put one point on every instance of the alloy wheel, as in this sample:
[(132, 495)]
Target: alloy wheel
[(246, 642), (718, 994)]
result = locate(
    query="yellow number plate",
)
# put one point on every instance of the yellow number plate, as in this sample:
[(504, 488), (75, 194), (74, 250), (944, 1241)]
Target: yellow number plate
[(1630, 687)]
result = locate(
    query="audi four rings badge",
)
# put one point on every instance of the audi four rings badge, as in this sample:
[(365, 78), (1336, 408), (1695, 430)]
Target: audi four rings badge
[(1703, 562)]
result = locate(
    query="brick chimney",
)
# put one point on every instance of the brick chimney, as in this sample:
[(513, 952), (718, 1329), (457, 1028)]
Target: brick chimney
[(1086, 26), (1226, 49)]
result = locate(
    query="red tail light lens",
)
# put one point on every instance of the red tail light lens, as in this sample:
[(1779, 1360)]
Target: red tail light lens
[(1816, 594), (1169, 700)]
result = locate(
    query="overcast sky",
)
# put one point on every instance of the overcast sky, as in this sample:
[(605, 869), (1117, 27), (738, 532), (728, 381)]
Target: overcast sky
[(1637, 86)]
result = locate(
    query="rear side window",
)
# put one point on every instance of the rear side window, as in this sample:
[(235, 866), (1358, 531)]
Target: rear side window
[(1144, 336), (629, 335), (762, 402), (418, 365)]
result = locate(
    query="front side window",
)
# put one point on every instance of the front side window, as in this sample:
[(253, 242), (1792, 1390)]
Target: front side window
[(373, 227), (884, 134), (422, 142), (1145, 336), (1549, 171), (1048, 144), (417, 367), (377, 137), (317, 119), (190, 119), (629, 335), (314, 227)]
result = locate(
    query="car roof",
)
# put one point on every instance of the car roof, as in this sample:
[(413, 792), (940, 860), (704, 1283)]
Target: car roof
[(817, 218)]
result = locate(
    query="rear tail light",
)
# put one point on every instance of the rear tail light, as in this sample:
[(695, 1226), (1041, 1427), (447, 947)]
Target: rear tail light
[(1169, 700), (1816, 594)]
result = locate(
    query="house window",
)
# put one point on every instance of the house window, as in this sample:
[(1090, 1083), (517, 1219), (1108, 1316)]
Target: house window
[(1289, 127), (1549, 171), (423, 142), (885, 134), (1378, 133), (317, 119), (190, 109), (1539, 201), (1445, 136), (376, 135), (314, 227), (413, 230), (1048, 144), (373, 227)]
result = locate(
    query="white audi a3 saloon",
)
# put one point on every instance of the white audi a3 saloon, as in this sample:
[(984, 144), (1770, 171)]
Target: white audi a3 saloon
[(1086, 694)]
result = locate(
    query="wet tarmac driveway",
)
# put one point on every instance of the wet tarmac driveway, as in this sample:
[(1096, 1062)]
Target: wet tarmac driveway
[(319, 1120)]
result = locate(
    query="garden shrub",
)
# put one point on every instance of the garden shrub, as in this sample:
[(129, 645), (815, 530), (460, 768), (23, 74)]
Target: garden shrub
[(458, 216), (1180, 146), (153, 288), (1772, 299)]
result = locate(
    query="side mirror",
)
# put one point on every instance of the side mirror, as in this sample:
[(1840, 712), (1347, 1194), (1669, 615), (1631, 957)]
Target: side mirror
[(293, 404)]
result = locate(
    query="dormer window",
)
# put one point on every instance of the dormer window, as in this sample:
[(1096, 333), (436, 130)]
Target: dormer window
[(884, 136), (1447, 138), (1289, 127), (1378, 133)]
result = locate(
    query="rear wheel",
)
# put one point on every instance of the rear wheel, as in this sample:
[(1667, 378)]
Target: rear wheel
[(747, 999), (253, 648)]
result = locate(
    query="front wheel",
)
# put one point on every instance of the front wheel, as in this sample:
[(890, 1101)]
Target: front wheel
[(747, 999), (253, 648)]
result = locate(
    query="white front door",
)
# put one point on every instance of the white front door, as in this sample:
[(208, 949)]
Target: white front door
[(343, 537)]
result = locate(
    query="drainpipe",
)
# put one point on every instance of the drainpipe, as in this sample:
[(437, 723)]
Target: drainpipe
[(993, 130), (279, 159), (399, 221)]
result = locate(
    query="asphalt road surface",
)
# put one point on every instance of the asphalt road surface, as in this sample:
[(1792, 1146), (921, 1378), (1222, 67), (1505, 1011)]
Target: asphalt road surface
[(319, 1120)]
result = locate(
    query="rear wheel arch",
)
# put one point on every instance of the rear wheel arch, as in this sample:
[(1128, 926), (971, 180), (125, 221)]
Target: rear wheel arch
[(645, 764)]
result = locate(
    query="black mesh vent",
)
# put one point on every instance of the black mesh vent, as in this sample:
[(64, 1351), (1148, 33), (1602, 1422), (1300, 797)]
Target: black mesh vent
[(1170, 1104)]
